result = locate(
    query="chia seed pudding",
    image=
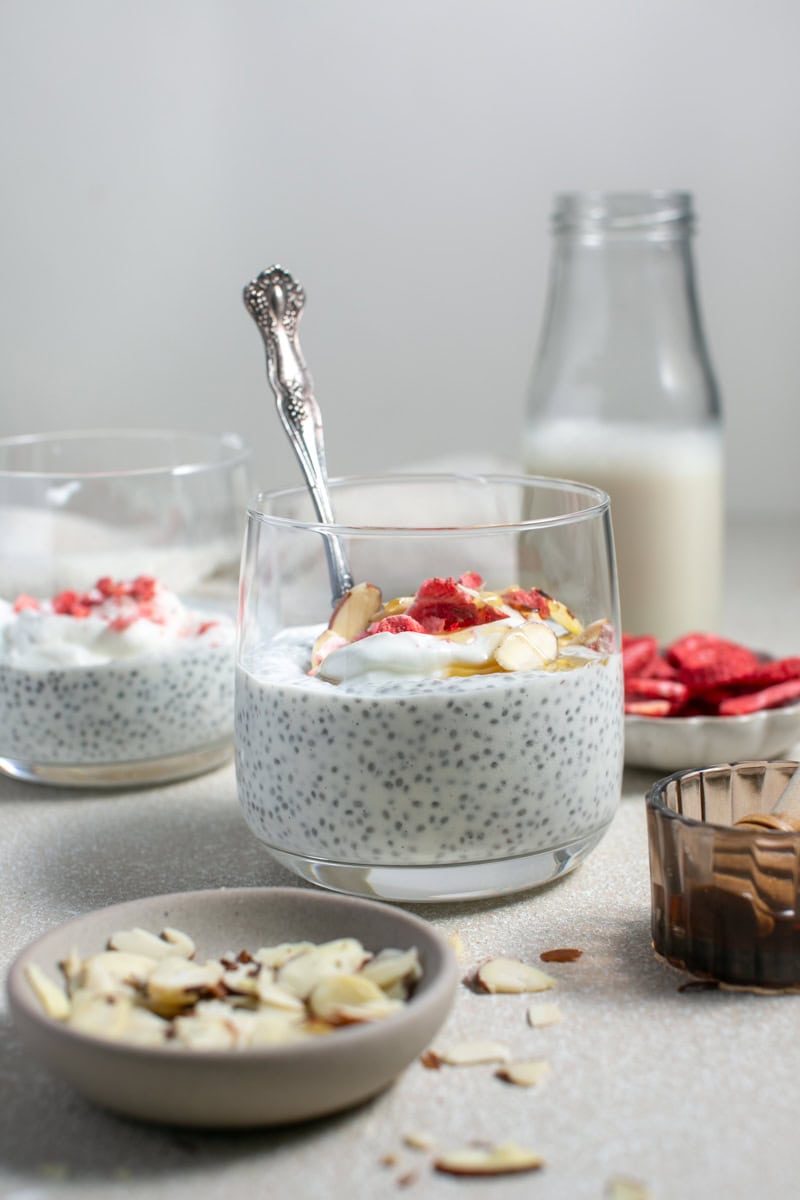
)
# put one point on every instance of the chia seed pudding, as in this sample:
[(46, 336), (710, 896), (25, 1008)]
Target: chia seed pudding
[(410, 748), (123, 673)]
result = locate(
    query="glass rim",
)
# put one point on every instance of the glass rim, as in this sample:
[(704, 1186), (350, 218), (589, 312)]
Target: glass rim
[(238, 452), (598, 508), (655, 212), (655, 798)]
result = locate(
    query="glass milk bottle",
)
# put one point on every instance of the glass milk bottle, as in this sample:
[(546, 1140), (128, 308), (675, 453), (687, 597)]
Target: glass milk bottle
[(624, 397)]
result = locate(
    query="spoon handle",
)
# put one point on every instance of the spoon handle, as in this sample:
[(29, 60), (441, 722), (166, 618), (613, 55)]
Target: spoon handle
[(275, 301)]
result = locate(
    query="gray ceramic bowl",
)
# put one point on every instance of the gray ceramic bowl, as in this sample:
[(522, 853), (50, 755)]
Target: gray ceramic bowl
[(264, 1086), (673, 743)]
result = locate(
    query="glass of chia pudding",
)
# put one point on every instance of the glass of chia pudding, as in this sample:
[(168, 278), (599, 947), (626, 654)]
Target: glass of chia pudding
[(118, 561), (452, 727)]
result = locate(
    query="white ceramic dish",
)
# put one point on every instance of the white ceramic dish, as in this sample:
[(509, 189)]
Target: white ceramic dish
[(241, 1088), (672, 743)]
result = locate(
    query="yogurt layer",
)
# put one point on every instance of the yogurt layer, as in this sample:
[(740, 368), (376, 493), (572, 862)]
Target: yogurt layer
[(123, 672)]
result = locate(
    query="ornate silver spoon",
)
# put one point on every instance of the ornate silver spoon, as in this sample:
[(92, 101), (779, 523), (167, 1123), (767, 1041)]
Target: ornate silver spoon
[(275, 301)]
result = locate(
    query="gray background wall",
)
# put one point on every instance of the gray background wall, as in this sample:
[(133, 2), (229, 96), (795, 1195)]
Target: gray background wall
[(401, 160)]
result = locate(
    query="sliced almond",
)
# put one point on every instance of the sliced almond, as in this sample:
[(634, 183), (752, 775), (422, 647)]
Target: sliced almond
[(325, 644), (140, 941), (272, 995), (621, 1187), (302, 973), (51, 996), (344, 999), (180, 942), (541, 1015), (390, 968), (145, 1028), (456, 944), (566, 619), (564, 955), (510, 975), (102, 1016), (467, 1054), (528, 1073), (418, 1140), (117, 971), (355, 611), (527, 647), (507, 1158), (176, 983), (276, 956), (242, 979)]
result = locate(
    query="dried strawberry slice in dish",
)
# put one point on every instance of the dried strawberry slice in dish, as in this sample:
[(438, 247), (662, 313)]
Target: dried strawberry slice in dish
[(771, 697), (657, 689), (638, 653), (705, 661)]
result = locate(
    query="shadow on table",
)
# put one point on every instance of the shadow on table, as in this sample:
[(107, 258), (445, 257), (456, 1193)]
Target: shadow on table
[(48, 1131)]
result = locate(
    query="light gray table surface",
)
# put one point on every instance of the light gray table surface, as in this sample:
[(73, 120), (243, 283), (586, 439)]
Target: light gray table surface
[(692, 1093)]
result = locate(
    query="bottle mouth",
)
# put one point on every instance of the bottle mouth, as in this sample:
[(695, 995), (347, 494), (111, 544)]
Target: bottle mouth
[(647, 213)]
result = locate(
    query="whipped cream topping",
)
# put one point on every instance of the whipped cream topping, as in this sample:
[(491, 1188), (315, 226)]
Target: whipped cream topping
[(419, 654), (38, 634)]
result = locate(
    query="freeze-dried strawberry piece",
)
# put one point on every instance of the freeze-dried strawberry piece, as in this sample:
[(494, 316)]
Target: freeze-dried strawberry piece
[(144, 587), (657, 689), (648, 708), (441, 605), (659, 668), (24, 601), (705, 661), (400, 623), (771, 697), (471, 579), (70, 604), (777, 671), (528, 600), (637, 653), (108, 587)]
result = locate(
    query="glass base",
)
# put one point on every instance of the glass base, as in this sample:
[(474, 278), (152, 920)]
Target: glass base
[(166, 769), (443, 882)]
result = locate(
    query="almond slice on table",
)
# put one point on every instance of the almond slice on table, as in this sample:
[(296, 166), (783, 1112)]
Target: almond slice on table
[(542, 1015), (418, 1140), (564, 954), (467, 1054), (510, 975), (529, 1073), (621, 1187), (506, 1158)]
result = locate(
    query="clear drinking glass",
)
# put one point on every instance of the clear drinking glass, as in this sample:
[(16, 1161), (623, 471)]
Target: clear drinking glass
[(414, 765), (133, 682)]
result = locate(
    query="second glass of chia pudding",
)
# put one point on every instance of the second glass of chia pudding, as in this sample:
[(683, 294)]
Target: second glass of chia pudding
[(452, 726), (118, 553)]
